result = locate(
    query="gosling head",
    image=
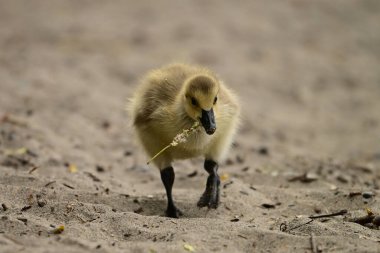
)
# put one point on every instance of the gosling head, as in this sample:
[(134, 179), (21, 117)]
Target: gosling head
[(201, 96)]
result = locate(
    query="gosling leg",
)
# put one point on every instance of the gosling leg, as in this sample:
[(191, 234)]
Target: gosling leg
[(167, 177), (210, 197)]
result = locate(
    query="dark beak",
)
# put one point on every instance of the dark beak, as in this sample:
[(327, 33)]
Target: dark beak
[(208, 121)]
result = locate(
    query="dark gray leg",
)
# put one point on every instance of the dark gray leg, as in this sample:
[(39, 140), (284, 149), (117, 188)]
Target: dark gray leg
[(167, 177), (210, 197)]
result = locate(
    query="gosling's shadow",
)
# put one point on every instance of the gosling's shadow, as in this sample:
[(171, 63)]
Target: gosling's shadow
[(157, 207)]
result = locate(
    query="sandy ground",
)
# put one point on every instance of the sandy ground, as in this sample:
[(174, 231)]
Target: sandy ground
[(308, 76)]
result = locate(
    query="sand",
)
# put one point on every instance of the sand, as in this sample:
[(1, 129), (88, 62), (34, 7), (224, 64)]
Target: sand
[(307, 74)]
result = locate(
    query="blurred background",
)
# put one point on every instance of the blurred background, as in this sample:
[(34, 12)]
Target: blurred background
[(308, 77), (307, 72)]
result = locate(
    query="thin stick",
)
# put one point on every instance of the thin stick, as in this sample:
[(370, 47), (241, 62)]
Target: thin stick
[(33, 169), (341, 212), (159, 153)]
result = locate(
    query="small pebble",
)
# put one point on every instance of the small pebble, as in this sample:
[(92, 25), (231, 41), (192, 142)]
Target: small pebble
[(367, 195), (127, 153), (263, 151), (245, 169), (100, 168), (266, 205), (106, 124), (25, 208), (343, 179), (41, 203), (239, 159)]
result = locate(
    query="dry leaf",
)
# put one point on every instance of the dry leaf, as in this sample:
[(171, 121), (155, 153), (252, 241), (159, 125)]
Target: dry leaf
[(19, 151), (188, 247), (59, 230), (224, 177), (73, 168), (369, 212)]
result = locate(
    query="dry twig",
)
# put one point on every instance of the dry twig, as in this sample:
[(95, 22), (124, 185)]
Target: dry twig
[(341, 212)]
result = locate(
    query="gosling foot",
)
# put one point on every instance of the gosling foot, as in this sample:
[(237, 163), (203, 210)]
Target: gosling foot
[(210, 198), (173, 212)]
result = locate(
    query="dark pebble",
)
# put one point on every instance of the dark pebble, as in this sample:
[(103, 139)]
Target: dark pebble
[(266, 205), (263, 151), (106, 124), (100, 168), (138, 210), (239, 159), (342, 179), (229, 162), (367, 195), (29, 112), (245, 169), (127, 153), (25, 208), (41, 203)]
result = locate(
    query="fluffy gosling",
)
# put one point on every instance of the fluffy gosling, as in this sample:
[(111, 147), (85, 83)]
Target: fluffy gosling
[(171, 99)]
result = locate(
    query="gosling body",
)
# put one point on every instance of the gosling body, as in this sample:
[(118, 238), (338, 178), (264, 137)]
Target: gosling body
[(169, 100)]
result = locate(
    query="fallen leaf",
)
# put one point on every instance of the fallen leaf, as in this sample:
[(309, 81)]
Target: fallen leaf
[(369, 212), (73, 168), (19, 151), (188, 247), (58, 230), (224, 177)]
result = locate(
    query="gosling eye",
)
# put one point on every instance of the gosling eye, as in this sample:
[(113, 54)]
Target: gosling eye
[(215, 99), (194, 101)]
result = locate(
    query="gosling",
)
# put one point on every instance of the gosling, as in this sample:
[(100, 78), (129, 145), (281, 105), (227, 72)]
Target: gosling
[(171, 99)]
